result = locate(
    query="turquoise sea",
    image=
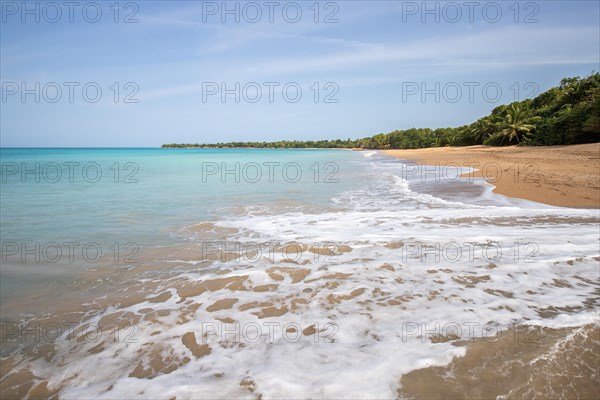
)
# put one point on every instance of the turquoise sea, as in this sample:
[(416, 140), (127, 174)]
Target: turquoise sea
[(137, 193), (203, 273)]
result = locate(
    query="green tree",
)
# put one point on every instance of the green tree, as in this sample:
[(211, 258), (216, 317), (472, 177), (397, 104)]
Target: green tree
[(482, 129), (517, 124)]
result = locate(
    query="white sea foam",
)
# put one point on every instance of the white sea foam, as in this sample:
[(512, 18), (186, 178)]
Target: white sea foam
[(518, 263)]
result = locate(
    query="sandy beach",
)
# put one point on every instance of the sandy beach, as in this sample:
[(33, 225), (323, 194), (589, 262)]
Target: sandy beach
[(243, 288), (567, 176)]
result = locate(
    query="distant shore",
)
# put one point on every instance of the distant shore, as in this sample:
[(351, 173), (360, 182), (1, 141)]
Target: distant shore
[(567, 176)]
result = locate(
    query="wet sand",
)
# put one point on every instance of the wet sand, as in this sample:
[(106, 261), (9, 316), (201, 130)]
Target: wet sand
[(566, 176), (526, 362), (164, 298)]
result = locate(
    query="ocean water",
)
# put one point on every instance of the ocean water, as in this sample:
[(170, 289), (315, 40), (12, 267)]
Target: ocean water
[(245, 273)]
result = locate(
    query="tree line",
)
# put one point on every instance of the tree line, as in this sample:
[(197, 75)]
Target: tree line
[(566, 114)]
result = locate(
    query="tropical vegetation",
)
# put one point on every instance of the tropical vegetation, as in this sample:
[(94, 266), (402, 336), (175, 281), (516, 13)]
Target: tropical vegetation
[(566, 114)]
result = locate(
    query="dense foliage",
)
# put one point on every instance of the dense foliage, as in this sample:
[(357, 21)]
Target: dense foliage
[(567, 114)]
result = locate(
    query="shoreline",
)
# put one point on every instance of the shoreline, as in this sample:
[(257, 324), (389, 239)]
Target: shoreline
[(190, 297), (564, 176)]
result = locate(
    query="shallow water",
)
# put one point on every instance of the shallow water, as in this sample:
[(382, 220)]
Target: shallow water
[(353, 281)]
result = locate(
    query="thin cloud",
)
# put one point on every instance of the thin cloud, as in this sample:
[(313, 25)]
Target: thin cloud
[(498, 47)]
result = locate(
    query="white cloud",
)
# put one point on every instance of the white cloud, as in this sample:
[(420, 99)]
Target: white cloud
[(492, 49), (499, 47)]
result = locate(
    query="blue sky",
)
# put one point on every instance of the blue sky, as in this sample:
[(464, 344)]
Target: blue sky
[(389, 64)]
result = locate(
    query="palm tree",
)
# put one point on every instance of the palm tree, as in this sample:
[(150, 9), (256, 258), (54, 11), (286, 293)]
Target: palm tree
[(569, 90), (517, 124), (482, 129)]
